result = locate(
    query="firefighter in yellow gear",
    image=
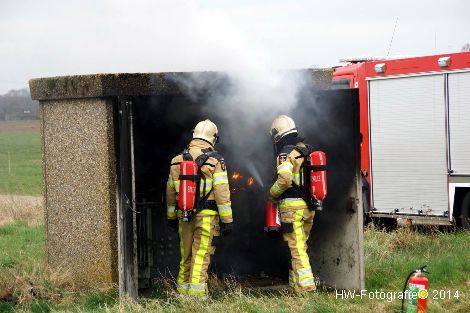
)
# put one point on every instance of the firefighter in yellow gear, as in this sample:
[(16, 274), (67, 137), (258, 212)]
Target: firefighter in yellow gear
[(211, 220), (296, 216)]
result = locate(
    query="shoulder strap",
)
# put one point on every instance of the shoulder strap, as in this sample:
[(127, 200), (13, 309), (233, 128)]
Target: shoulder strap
[(206, 154), (287, 149), (304, 180), (304, 151), (186, 155), (214, 154), (201, 160)]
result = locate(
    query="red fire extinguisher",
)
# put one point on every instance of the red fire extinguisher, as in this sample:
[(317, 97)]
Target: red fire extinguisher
[(318, 184), (188, 186), (273, 220), (417, 291)]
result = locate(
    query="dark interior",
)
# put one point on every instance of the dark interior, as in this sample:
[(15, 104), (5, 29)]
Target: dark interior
[(162, 127)]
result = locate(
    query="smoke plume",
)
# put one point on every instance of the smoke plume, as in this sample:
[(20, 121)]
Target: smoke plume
[(242, 99), (243, 105)]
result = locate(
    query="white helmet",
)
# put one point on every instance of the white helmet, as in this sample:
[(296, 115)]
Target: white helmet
[(281, 126), (206, 130)]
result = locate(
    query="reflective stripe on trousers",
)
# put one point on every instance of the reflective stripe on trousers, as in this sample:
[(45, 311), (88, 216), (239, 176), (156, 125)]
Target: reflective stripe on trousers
[(182, 281), (198, 278), (292, 280), (300, 239), (195, 236), (301, 276)]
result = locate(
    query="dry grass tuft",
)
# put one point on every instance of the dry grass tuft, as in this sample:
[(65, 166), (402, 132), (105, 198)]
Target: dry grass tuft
[(228, 284), (21, 284), (381, 244), (402, 238), (28, 209)]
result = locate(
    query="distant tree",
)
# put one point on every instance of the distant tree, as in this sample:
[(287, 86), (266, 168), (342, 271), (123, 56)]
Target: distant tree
[(466, 47), (18, 105)]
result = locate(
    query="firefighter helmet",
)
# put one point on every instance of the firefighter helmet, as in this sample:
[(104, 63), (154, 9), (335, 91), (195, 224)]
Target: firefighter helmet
[(281, 126), (206, 130)]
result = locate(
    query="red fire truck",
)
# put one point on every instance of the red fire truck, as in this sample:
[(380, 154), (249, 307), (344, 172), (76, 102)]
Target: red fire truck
[(415, 126)]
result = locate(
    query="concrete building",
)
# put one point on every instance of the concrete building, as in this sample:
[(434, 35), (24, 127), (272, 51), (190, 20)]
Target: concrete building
[(107, 141)]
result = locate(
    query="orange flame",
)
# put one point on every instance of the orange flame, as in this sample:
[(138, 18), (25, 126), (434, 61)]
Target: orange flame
[(250, 181), (236, 175)]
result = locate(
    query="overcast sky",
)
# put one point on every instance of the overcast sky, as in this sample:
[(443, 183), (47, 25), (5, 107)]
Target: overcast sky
[(48, 38)]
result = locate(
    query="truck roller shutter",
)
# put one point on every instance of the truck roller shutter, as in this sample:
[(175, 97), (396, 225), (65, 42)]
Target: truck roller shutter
[(459, 123), (408, 144)]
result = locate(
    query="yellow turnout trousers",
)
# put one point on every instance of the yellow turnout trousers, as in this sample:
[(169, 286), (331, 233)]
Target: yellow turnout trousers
[(294, 211), (196, 250)]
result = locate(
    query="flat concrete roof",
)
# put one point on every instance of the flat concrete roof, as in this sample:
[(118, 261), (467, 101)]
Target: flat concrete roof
[(134, 84), (105, 85)]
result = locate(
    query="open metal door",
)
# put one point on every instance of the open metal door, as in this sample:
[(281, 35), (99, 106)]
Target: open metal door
[(127, 219)]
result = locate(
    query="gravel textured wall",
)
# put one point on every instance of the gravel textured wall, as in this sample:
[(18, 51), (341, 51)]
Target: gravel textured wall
[(80, 188)]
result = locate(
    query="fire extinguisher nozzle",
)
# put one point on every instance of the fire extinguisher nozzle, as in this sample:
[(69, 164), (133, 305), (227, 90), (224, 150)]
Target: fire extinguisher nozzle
[(318, 205), (423, 269)]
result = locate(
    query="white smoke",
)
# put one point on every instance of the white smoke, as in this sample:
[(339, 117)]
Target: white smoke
[(257, 87), (244, 105), (249, 94), (243, 100)]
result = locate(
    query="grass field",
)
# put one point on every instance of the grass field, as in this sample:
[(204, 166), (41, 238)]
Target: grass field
[(27, 285), (20, 158)]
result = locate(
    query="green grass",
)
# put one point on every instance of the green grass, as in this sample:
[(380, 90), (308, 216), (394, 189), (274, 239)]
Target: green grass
[(21, 244), (447, 256), (27, 285), (24, 174), (389, 256)]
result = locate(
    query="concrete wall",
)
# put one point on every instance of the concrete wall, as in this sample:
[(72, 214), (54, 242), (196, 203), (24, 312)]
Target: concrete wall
[(80, 188)]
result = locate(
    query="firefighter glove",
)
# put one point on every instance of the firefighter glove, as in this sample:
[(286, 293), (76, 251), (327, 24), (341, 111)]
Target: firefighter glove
[(173, 224), (272, 199), (226, 228)]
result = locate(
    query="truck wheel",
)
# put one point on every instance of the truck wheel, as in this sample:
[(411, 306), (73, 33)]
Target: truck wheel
[(465, 212)]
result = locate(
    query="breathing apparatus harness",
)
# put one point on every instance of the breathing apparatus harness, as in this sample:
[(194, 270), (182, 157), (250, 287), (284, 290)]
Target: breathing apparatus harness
[(302, 190), (190, 199)]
